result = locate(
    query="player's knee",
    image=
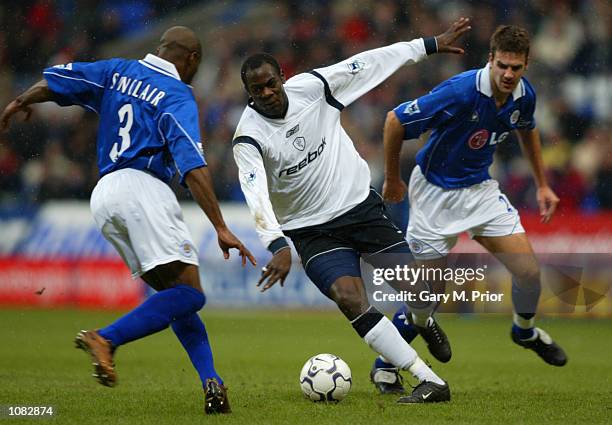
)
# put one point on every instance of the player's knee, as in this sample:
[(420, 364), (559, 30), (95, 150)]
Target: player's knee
[(349, 295), (201, 300), (194, 299), (528, 275)]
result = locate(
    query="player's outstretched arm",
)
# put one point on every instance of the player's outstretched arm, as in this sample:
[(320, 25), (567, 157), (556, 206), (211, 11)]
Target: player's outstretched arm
[(200, 184), (394, 188), (446, 41), (532, 149), (351, 78), (38, 93)]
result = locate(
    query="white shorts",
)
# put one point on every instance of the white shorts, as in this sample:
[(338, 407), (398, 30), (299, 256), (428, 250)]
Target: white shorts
[(140, 216), (438, 216)]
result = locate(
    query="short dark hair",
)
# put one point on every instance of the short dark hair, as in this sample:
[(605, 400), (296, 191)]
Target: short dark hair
[(510, 38), (255, 61)]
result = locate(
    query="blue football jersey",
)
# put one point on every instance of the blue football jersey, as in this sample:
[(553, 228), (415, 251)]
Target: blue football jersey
[(466, 126), (148, 116)]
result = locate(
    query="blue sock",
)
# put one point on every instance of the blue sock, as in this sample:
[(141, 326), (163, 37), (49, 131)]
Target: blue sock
[(191, 332), (406, 330), (523, 333), (155, 314), (381, 364)]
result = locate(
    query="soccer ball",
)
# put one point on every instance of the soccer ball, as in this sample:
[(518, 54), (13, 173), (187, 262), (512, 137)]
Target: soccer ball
[(325, 377)]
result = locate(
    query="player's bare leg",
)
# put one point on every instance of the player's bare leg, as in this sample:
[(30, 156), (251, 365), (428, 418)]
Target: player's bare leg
[(384, 338), (515, 252)]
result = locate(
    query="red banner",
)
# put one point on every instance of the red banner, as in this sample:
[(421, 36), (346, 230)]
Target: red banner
[(107, 284), (76, 283), (566, 233)]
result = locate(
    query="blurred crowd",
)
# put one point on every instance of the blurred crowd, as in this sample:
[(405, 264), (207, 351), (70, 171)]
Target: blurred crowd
[(53, 156)]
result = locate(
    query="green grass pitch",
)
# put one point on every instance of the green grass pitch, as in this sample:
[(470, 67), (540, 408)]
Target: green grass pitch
[(260, 354)]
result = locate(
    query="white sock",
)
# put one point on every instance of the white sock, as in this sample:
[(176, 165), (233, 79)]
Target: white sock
[(422, 372), (383, 359), (385, 339), (522, 322)]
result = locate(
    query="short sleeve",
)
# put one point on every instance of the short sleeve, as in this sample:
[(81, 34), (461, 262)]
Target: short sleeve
[(527, 120), (179, 125), (78, 83), (429, 111)]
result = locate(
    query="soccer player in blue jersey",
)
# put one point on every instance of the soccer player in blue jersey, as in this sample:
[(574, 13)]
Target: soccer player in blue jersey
[(450, 188), (149, 130)]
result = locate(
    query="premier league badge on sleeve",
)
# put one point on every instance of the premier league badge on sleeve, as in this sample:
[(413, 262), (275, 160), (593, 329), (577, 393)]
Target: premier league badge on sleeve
[(355, 66), (250, 177), (412, 108), (67, 66), (515, 117)]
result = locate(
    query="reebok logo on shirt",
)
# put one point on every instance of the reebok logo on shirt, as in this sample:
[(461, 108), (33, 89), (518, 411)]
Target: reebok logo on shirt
[(310, 157)]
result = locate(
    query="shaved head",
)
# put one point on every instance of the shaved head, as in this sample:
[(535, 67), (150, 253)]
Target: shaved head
[(181, 46), (181, 37)]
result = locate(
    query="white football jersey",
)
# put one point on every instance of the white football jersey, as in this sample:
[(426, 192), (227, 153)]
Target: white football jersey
[(303, 170)]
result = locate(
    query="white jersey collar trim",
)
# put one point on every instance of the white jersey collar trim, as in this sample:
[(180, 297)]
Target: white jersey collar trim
[(483, 84), (160, 65)]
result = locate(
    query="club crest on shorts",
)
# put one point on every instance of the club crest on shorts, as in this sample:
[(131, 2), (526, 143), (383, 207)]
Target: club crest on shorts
[(515, 117), (299, 143), (478, 139), (186, 249), (416, 246)]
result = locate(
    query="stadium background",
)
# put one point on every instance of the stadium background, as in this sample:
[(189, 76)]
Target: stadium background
[(47, 166), (58, 275)]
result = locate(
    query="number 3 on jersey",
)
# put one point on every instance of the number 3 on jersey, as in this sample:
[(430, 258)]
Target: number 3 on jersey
[(126, 113)]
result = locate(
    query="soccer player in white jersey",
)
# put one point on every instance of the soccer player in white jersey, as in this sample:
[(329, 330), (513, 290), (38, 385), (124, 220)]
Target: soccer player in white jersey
[(149, 130), (303, 178), (450, 189)]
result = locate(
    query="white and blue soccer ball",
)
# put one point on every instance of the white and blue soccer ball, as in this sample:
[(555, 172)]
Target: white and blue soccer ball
[(325, 377)]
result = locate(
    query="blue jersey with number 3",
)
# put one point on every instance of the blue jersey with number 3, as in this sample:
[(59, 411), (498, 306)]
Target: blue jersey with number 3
[(466, 126), (148, 116)]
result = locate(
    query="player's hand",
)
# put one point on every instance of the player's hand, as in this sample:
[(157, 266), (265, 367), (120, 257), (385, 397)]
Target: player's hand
[(227, 240), (394, 190), (276, 270), (447, 39), (547, 201), (12, 108)]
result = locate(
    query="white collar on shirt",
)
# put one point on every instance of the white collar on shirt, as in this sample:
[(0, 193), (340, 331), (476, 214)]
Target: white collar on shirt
[(160, 65), (483, 84)]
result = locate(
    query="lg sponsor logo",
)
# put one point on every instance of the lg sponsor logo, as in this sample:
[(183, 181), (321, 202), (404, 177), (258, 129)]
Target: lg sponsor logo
[(483, 137)]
